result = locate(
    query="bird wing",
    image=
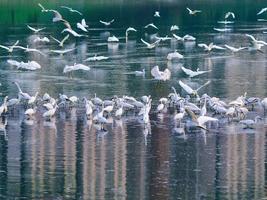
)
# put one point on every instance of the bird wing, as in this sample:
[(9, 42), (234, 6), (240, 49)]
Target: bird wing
[(64, 39), (131, 29), (189, 72), (155, 72), (146, 43), (203, 119), (31, 28), (158, 41), (177, 37), (41, 6), (35, 64), (217, 47), (84, 23), (229, 47), (208, 82), (76, 11), (67, 68), (251, 36), (166, 74), (105, 23), (66, 23), (57, 16), (262, 11), (228, 14), (189, 9), (4, 47), (187, 88), (80, 26), (66, 7), (111, 21), (13, 62), (82, 67), (203, 45), (55, 39)]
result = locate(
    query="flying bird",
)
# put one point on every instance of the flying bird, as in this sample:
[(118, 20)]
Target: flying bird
[(193, 12), (160, 75), (61, 43), (189, 90), (210, 47), (10, 48), (71, 10), (106, 23), (262, 11), (150, 46), (192, 74), (35, 30)]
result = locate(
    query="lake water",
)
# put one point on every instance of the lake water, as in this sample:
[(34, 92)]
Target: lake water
[(67, 158)]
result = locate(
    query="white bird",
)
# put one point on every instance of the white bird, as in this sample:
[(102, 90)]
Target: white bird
[(256, 44), (151, 25), (27, 49), (156, 14), (73, 99), (13, 102), (225, 22), (228, 14), (129, 30), (10, 48), (62, 51), (75, 67), (262, 11), (179, 116), (254, 40), (44, 39), (113, 39), (33, 99), (30, 112), (161, 106), (74, 33), (83, 22), (61, 43), (163, 38), (3, 107), (82, 25), (249, 123), (184, 38), (30, 65), (71, 10), (233, 49), (57, 16), (201, 120), (189, 90), (50, 113), (222, 29), (107, 23), (160, 75), (119, 112), (140, 73), (192, 74), (193, 12), (210, 47), (43, 9), (22, 95), (174, 55), (35, 30), (174, 28), (96, 58), (150, 46), (48, 106)]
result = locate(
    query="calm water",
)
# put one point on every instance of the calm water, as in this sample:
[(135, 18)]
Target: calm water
[(66, 158)]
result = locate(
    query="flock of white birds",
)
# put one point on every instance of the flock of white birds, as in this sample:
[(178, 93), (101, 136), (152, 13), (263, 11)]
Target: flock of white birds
[(192, 110)]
